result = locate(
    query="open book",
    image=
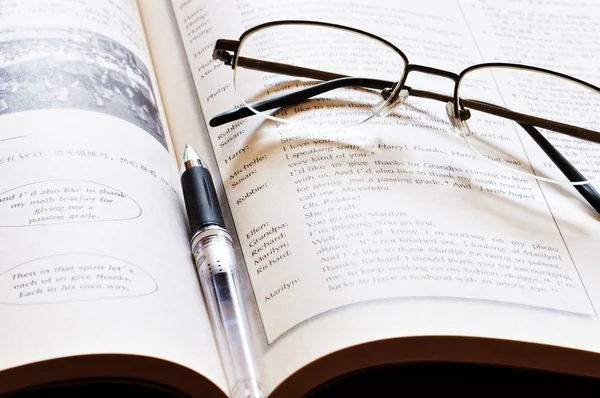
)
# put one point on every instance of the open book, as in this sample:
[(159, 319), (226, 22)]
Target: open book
[(345, 271)]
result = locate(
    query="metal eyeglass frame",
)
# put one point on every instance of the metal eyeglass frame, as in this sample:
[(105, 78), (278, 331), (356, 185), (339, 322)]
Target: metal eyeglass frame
[(227, 51)]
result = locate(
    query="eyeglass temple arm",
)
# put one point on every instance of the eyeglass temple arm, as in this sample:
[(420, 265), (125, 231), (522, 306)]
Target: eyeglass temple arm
[(588, 192)]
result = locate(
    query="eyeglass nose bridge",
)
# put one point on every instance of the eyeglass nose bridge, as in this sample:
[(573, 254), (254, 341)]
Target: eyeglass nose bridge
[(396, 95)]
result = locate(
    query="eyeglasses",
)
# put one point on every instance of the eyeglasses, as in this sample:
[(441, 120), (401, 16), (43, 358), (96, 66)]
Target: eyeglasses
[(326, 74)]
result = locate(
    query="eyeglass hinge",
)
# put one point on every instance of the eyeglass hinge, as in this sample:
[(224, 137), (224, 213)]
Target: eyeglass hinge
[(225, 50)]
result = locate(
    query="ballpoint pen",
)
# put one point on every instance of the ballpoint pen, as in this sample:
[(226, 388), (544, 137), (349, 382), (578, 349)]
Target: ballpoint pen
[(212, 248)]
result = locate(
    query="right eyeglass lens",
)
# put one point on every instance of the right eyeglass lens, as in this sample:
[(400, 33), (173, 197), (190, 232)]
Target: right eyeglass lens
[(283, 59), (539, 94)]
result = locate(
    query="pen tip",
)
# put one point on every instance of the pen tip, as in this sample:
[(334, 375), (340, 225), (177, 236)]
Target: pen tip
[(191, 157)]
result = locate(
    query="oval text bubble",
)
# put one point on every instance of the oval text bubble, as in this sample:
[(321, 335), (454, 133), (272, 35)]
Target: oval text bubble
[(73, 277), (64, 201)]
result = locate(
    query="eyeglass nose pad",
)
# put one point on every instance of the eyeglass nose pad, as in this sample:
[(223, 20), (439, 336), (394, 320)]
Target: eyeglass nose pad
[(460, 126), (383, 108)]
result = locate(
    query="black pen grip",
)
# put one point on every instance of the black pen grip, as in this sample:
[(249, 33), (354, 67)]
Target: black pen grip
[(201, 202)]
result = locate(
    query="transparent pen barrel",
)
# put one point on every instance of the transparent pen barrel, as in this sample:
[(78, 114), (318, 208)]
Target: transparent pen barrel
[(215, 263)]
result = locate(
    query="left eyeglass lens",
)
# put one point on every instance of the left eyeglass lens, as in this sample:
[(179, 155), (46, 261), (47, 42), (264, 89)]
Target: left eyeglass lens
[(262, 71)]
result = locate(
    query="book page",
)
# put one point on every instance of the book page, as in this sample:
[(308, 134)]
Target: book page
[(393, 228), (94, 256)]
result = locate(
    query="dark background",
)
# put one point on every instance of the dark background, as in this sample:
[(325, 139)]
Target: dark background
[(406, 380)]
